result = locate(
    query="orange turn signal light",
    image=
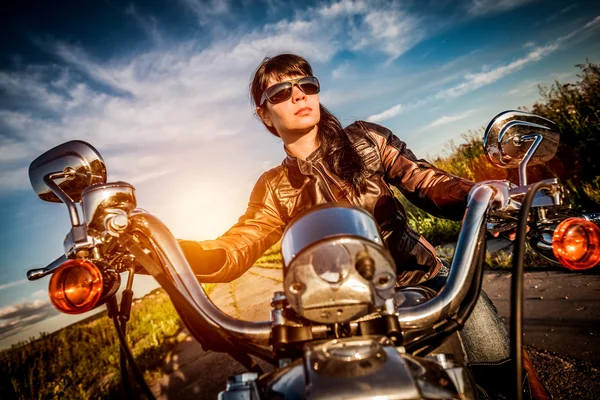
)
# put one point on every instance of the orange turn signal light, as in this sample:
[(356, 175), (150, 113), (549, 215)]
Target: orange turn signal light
[(76, 287), (576, 243)]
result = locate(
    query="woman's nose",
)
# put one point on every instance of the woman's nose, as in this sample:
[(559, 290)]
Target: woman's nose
[(297, 94)]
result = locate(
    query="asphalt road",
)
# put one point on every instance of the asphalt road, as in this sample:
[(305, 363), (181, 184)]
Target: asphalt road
[(562, 322), (561, 310)]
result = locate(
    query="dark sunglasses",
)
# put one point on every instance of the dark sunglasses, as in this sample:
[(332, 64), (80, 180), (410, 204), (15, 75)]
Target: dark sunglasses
[(282, 91)]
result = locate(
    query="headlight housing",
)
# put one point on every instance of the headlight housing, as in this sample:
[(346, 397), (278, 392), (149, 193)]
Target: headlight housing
[(335, 265)]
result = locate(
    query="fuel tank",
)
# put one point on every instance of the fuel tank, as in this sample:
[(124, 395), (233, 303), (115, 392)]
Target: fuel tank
[(358, 368)]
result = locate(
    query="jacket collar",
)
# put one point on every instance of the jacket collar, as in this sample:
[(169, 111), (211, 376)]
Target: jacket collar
[(305, 166)]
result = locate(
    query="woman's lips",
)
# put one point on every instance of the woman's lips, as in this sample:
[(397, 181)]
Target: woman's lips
[(304, 111)]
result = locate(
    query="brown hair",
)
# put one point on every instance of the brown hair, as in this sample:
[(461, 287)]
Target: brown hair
[(338, 153)]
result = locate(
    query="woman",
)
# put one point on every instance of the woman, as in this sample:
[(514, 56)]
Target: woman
[(327, 163), (355, 165)]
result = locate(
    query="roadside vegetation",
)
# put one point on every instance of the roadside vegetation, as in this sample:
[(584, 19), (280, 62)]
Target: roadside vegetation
[(575, 108), (82, 360)]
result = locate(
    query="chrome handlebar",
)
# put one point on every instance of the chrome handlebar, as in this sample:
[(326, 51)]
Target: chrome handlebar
[(427, 314), (464, 264), (173, 265), (176, 267)]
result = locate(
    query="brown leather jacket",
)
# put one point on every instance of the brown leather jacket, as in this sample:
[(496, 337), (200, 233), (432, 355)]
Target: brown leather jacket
[(296, 185)]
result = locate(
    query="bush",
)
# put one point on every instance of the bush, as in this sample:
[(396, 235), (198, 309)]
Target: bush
[(575, 108)]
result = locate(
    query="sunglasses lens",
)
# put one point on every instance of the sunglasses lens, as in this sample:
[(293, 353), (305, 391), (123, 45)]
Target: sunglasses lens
[(309, 85), (280, 92), (283, 91)]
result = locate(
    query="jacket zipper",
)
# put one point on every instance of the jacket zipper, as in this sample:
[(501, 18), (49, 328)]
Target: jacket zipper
[(322, 174)]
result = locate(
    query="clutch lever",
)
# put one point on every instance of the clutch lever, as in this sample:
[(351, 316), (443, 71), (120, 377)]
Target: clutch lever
[(37, 273)]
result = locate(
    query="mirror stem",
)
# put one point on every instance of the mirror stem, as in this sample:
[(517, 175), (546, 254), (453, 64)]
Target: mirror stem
[(523, 164), (49, 180)]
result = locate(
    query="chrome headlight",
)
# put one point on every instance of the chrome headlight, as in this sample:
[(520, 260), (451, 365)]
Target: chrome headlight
[(335, 265)]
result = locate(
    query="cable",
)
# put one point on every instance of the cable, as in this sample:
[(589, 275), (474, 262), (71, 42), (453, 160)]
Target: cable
[(134, 369), (123, 367), (516, 290)]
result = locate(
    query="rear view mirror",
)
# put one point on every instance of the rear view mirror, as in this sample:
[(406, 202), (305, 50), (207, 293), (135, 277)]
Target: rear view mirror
[(72, 166), (520, 139)]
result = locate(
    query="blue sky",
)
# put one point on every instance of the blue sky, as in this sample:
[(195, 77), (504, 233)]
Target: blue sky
[(161, 90)]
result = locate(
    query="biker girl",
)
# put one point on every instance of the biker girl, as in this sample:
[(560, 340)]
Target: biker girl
[(355, 165)]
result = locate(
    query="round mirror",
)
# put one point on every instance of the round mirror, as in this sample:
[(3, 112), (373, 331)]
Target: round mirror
[(79, 163), (510, 135)]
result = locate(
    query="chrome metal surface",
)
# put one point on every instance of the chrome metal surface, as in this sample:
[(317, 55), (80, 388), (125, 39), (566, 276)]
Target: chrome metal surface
[(102, 203), (326, 222), (505, 218), (177, 268), (278, 302), (461, 376), (463, 381), (331, 289), (73, 214), (366, 368), (78, 243), (594, 217), (433, 380), (379, 370), (540, 240), (537, 140), (463, 265), (544, 197), (412, 296), (503, 140), (37, 273), (78, 161), (288, 380)]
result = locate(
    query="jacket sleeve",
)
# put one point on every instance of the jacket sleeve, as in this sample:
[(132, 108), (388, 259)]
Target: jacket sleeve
[(431, 189), (230, 255)]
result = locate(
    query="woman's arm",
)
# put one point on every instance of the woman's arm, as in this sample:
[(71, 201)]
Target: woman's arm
[(435, 191), (233, 253)]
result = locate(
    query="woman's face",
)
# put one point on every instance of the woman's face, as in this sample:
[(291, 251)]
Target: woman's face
[(297, 115)]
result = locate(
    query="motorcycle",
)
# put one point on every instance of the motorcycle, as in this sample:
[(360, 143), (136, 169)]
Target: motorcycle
[(340, 328)]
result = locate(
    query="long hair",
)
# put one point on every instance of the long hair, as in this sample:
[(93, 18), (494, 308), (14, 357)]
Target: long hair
[(338, 152)]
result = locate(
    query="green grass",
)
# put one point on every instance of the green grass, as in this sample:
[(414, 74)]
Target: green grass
[(81, 361)]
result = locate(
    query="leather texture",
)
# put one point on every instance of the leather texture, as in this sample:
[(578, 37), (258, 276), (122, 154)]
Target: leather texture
[(298, 185)]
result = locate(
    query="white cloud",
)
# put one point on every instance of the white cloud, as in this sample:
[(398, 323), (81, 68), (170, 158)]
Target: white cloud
[(204, 10), (389, 30), (39, 293), (147, 24), (387, 114), (451, 118), (156, 100), (393, 30), (176, 95), (529, 87), (17, 317), (340, 71), (489, 75), (11, 284), (343, 8), (484, 7), (593, 23)]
